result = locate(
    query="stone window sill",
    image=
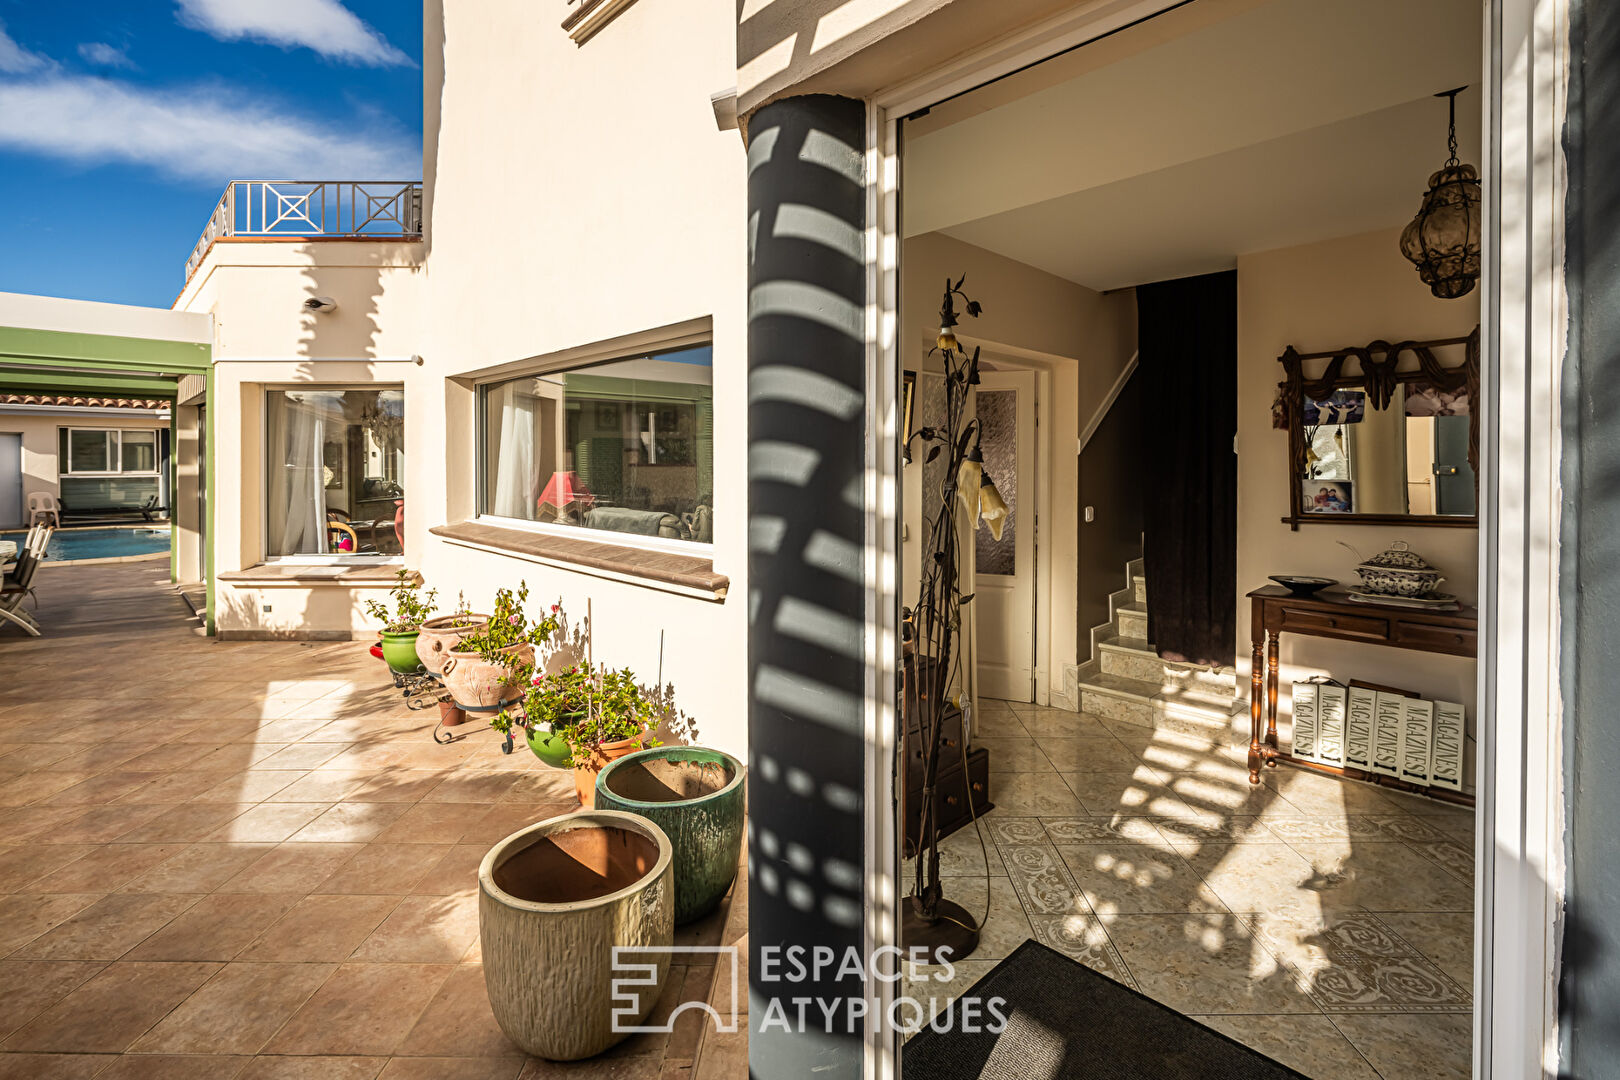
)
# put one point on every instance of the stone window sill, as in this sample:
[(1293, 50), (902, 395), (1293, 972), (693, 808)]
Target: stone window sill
[(689, 575), (307, 576)]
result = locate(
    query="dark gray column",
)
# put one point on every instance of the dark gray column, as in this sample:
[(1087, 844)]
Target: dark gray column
[(807, 594), (1589, 991)]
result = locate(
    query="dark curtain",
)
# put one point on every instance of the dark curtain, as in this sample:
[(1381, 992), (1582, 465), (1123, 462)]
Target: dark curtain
[(1187, 344)]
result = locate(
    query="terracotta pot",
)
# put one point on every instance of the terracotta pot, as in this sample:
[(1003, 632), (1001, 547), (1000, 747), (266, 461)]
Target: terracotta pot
[(482, 687), (555, 900), (438, 636), (696, 796), (585, 775), (451, 714)]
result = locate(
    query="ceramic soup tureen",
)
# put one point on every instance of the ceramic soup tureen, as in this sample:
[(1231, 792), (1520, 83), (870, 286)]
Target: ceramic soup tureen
[(1399, 571)]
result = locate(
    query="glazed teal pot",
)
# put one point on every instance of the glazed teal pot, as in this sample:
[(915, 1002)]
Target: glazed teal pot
[(399, 650), (696, 796)]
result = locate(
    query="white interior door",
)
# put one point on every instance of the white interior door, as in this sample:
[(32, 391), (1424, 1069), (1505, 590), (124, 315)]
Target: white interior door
[(1004, 570), (11, 480)]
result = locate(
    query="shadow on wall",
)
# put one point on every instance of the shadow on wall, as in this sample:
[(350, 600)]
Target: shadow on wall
[(350, 330), (572, 644)]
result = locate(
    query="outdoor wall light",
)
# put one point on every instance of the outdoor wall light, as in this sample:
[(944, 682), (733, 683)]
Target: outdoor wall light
[(1443, 240)]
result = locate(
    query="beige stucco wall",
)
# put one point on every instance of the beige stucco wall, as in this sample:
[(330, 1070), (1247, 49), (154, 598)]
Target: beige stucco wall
[(40, 467), (569, 206), (855, 47), (264, 338), (1079, 339), (1342, 292)]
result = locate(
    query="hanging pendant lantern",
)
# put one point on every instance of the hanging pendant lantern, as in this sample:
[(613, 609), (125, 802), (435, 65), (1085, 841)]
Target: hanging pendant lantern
[(1443, 240)]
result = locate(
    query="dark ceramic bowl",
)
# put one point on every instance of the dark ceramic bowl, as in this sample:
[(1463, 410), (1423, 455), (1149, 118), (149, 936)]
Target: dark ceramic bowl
[(1302, 586)]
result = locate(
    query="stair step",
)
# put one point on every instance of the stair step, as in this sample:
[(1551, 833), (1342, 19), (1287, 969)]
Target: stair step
[(1129, 622), (1135, 658), (1155, 703)]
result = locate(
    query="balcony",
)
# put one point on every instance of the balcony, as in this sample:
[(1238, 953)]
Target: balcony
[(309, 209)]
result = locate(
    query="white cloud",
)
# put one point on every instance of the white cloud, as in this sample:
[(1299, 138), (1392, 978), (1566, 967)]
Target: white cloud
[(104, 55), (325, 26), (15, 59), (204, 133)]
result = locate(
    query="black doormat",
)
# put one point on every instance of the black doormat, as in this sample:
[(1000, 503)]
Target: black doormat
[(1068, 1022)]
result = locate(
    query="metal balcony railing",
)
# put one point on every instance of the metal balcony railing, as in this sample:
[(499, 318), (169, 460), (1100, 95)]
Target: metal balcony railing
[(375, 209)]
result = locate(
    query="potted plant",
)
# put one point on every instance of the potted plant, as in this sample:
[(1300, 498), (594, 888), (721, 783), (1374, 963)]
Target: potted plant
[(438, 636), (583, 719), (402, 624), (696, 796), (484, 672), (556, 901)]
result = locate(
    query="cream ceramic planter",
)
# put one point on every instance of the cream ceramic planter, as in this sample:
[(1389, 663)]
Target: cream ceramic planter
[(438, 636), (554, 901), (480, 686)]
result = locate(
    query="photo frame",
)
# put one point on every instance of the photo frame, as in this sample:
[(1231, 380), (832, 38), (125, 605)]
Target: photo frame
[(1327, 496), (607, 415)]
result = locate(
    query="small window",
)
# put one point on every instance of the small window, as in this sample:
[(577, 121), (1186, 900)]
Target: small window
[(138, 451), (90, 450), (623, 447), (335, 463)]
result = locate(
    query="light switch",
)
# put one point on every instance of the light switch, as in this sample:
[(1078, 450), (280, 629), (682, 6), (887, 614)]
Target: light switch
[(1091, 514)]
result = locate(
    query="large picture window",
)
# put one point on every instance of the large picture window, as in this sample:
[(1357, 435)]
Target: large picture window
[(625, 447), (335, 462)]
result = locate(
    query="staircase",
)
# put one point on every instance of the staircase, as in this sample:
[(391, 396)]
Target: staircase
[(1126, 680)]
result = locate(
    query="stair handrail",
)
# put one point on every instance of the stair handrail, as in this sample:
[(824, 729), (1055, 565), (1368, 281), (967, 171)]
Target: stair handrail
[(1108, 402)]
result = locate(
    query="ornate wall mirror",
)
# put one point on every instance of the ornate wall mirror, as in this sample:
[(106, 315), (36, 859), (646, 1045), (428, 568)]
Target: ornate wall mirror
[(1383, 434)]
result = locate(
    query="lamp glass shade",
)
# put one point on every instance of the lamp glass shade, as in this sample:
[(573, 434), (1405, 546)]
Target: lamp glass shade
[(992, 509), (1443, 241), (967, 487)]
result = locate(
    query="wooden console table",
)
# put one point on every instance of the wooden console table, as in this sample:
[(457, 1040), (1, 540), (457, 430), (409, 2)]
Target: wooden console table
[(1273, 611)]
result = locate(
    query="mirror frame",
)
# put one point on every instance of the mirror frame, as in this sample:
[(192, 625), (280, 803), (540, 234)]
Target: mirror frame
[(1378, 377)]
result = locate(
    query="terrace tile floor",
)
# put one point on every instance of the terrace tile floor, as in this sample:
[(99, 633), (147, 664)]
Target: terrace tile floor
[(1326, 923), (249, 860)]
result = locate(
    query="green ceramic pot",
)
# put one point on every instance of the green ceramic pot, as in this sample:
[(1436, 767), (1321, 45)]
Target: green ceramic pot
[(551, 749), (399, 650), (550, 746), (696, 796)]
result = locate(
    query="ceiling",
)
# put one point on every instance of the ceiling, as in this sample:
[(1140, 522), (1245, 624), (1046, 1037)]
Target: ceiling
[(1222, 128)]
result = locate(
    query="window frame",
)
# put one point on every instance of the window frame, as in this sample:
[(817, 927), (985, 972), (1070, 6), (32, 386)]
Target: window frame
[(114, 439), (326, 559), (579, 360)]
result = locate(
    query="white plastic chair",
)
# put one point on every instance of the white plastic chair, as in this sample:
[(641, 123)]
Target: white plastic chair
[(44, 504)]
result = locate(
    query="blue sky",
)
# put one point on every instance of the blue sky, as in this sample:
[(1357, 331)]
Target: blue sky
[(121, 121)]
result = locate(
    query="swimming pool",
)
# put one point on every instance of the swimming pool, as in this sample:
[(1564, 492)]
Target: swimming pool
[(69, 544)]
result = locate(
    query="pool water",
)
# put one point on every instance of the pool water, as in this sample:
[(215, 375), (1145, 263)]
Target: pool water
[(68, 544)]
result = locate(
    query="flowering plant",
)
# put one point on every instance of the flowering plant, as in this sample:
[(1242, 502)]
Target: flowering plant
[(508, 626), (463, 613), (586, 709), (411, 606)]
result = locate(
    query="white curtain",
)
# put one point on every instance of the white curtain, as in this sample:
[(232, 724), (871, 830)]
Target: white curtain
[(517, 473), (303, 528)]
